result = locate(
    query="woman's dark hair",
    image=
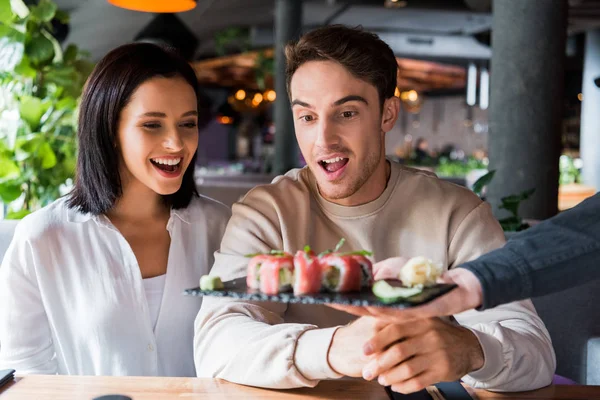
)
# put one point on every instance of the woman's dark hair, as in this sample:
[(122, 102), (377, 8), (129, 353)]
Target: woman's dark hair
[(106, 93)]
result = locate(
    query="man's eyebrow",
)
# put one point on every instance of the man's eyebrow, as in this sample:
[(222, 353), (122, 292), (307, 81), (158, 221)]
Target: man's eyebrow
[(301, 103), (352, 97)]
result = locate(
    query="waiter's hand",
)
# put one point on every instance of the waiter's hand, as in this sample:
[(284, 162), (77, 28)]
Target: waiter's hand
[(466, 296)]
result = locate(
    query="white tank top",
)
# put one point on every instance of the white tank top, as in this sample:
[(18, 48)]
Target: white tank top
[(154, 288)]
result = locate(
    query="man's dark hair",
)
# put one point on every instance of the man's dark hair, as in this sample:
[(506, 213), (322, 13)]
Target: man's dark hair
[(362, 53)]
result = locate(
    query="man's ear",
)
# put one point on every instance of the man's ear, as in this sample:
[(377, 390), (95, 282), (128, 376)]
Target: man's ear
[(389, 116)]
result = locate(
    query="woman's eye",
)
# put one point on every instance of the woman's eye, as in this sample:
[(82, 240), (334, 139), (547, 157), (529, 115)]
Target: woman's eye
[(306, 118), (151, 125), (190, 125)]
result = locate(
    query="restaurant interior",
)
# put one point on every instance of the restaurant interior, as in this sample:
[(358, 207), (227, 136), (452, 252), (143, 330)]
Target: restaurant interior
[(483, 89)]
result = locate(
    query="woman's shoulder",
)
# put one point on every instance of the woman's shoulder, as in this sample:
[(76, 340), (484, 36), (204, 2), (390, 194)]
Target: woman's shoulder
[(46, 220), (202, 208)]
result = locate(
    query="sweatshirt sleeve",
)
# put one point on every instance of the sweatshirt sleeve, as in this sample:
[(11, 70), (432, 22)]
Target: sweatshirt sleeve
[(516, 345)]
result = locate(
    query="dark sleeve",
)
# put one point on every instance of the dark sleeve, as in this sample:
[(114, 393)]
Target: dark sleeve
[(557, 254)]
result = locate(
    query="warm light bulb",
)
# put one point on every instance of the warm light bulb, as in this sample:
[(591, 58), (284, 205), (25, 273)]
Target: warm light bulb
[(240, 95), (270, 95)]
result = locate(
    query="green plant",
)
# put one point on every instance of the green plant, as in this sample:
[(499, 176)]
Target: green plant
[(482, 182), (569, 173), (39, 88), (234, 37), (238, 38), (458, 168), (514, 222)]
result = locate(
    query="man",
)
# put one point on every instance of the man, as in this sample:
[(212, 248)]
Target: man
[(341, 83)]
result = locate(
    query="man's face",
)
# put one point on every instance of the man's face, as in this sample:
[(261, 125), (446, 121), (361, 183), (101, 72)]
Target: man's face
[(340, 128)]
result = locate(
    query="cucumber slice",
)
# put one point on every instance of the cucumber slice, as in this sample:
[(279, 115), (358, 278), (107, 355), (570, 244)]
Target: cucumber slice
[(208, 282), (285, 277), (389, 294)]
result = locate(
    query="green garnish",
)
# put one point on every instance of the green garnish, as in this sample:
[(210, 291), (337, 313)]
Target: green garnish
[(271, 253), (339, 245), (337, 248), (358, 253)]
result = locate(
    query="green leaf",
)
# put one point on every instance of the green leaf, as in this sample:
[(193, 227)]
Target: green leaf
[(19, 8), (26, 147), (32, 109), (483, 182), (44, 11), (62, 16), (64, 75), (47, 155), (39, 49), (70, 54), (12, 47), (18, 214), (8, 169), (58, 53), (67, 103), (24, 68), (511, 224), (5, 11), (9, 192)]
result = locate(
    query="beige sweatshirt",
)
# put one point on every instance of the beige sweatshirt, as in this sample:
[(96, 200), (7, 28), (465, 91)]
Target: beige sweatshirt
[(283, 346)]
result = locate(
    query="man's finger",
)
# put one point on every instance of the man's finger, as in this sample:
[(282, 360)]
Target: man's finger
[(391, 357), (416, 383), (393, 333), (405, 371)]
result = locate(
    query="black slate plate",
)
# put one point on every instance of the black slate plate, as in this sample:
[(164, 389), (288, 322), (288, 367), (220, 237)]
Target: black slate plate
[(237, 289)]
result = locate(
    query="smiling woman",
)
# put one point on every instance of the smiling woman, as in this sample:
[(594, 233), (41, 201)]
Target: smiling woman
[(103, 268)]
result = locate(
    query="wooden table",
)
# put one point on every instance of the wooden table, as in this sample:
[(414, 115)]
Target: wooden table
[(57, 387)]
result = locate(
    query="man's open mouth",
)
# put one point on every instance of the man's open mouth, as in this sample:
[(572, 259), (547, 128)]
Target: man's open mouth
[(333, 164)]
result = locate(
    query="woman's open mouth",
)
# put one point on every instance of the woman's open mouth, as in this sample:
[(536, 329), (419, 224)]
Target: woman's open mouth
[(168, 167)]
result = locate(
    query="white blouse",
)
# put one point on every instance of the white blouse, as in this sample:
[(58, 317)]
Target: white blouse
[(72, 298)]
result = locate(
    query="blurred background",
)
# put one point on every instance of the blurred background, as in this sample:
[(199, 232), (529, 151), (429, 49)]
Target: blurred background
[(507, 86)]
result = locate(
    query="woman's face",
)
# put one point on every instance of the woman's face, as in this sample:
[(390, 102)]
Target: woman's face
[(158, 134)]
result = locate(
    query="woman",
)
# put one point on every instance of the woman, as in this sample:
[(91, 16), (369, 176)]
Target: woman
[(92, 284)]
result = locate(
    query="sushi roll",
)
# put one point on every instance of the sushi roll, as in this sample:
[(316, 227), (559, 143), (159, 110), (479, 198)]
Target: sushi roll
[(276, 274), (307, 272), (340, 273), (253, 276), (366, 268)]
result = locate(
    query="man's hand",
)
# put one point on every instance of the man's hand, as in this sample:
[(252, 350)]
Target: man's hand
[(466, 296), (411, 356), (346, 355)]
